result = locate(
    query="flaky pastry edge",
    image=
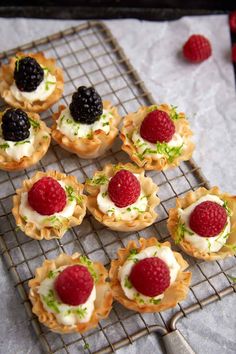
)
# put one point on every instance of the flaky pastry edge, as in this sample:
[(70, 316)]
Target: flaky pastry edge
[(143, 220), (48, 233), (190, 198), (41, 145), (133, 120), (6, 80), (102, 304), (84, 147), (175, 293)]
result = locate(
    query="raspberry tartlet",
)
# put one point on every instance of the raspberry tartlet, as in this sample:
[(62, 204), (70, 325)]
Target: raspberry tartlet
[(70, 293), (88, 127), (24, 139), (31, 82), (157, 137), (149, 276), (48, 205), (122, 198), (203, 224)]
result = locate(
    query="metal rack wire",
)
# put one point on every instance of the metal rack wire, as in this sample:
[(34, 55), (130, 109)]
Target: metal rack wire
[(89, 55)]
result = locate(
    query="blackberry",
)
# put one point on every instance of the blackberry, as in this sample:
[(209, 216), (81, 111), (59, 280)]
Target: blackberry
[(86, 106), (15, 125), (28, 74)]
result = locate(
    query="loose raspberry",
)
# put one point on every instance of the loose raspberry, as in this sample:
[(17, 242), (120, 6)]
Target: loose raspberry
[(150, 276), (74, 285), (157, 127), (208, 219), (124, 188), (234, 53), (197, 48), (232, 21), (47, 197)]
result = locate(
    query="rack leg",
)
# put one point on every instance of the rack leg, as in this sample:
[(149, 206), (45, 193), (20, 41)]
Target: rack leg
[(175, 343)]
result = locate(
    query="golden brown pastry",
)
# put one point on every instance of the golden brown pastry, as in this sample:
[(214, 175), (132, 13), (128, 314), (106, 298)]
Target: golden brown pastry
[(88, 141), (157, 137), (122, 198), (203, 224), (148, 276), (33, 93), (64, 307), (48, 204), (24, 139)]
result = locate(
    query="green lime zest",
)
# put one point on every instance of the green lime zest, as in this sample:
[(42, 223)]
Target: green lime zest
[(17, 64), (86, 346), (71, 194), (22, 142), (4, 146), (181, 229), (35, 125), (89, 264), (51, 301), (227, 208), (232, 278), (47, 83), (154, 301), (98, 180), (81, 312), (173, 113), (127, 283)]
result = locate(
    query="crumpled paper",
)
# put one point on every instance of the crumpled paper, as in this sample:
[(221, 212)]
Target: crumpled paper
[(206, 92)]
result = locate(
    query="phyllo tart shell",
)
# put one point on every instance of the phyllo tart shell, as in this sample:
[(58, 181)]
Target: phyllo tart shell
[(7, 79), (133, 121), (229, 249), (88, 147), (41, 146), (172, 295), (48, 233), (149, 188), (102, 304)]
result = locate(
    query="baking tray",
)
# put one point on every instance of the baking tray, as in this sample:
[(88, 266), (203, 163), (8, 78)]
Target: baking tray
[(90, 55)]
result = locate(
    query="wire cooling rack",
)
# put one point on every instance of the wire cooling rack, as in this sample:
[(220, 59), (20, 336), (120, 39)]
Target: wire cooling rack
[(89, 55)]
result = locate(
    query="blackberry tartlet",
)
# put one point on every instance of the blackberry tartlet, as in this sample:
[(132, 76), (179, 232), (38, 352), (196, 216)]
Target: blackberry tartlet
[(70, 294), (122, 198), (157, 137), (88, 127), (149, 276), (202, 224), (31, 82), (48, 205), (24, 139)]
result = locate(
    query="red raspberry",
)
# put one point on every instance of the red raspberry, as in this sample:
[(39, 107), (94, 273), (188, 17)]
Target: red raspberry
[(234, 53), (47, 196), (232, 21), (208, 219), (157, 127), (124, 188), (74, 285), (197, 48), (150, 276)]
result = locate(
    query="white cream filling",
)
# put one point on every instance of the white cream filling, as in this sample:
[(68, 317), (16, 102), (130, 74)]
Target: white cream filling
[(107, 206), (73, 130), (207, 244), (42, 92), (142, 145), (162, 252), (41, 221), (65, 314), (18, 149)]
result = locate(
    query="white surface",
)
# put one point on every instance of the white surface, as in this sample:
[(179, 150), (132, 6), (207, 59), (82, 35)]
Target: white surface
[(207, 93)]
